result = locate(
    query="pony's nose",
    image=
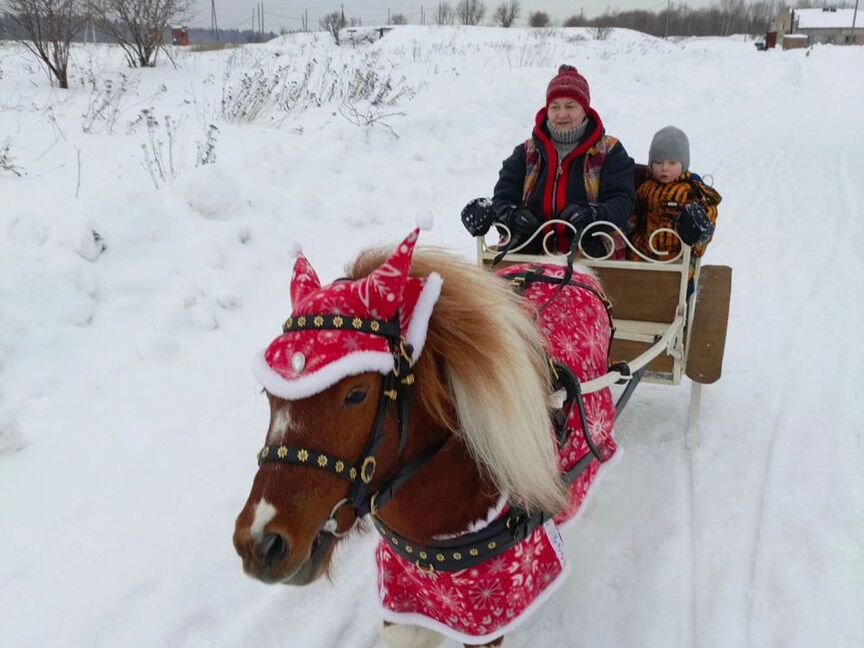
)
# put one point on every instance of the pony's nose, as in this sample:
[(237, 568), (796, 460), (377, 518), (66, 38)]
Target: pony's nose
[(271, 549)]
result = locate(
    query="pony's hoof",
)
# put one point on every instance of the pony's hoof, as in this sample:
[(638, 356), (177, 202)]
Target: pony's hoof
[(409, 636)]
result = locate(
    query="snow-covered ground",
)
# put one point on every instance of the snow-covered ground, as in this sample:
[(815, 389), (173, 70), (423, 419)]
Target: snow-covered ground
[(129, 419)]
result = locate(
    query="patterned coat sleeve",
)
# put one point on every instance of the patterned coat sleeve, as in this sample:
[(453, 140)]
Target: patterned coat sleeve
[(511, 181), (617, 194)]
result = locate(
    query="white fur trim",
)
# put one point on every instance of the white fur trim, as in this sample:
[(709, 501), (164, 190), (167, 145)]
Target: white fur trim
[(316, 382), (294, 249), (425, 220), (469, 640), (409, 636), (416, 334)]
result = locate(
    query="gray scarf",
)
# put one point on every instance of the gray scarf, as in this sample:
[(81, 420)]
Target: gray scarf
[(566, 142)]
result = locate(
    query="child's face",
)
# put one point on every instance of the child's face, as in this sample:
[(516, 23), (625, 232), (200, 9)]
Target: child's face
[(666, 171)]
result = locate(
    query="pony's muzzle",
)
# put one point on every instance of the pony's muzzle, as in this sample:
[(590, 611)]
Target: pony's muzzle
[(264, 555), (271, 549)]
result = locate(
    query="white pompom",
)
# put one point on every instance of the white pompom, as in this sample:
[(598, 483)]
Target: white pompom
[(425, 220), (294, 249)]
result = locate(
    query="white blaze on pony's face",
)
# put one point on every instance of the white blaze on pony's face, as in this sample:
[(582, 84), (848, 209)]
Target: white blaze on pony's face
[(280, 421), (264, 512)]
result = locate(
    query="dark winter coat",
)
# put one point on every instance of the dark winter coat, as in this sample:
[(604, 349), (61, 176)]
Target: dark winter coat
[(566, 178)]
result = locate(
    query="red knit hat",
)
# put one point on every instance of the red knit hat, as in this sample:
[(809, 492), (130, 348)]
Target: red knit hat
[(569, 83)]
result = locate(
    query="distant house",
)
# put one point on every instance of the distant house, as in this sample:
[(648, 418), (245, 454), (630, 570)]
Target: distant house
[(179, 36), (826, 25)]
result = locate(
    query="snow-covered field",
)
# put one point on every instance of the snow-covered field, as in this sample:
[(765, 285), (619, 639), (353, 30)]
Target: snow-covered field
[(129, 419)]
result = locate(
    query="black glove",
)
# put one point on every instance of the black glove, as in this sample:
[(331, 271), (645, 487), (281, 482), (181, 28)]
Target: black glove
[(522, 221), (694, 227), (579, 216), (478, 216)]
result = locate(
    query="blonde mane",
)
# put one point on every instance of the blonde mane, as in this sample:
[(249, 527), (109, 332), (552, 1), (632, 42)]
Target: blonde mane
[(483, 375)]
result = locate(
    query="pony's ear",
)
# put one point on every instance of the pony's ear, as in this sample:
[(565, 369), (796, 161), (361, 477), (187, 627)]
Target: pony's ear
[(381, 291), (304, 280)]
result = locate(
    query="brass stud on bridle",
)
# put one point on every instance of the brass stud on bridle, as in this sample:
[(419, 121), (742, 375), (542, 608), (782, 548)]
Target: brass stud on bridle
[(367, 470)]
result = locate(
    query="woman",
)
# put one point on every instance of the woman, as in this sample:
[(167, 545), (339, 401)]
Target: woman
[(569, 170)]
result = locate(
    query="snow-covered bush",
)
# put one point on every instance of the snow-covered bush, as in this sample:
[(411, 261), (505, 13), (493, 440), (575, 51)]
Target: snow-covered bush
[(291, 88), (6, 161)]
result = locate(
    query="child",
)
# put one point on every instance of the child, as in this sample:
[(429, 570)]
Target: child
[(673, 198)]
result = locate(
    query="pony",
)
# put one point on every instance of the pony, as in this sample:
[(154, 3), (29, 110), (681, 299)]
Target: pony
[(441, 402)]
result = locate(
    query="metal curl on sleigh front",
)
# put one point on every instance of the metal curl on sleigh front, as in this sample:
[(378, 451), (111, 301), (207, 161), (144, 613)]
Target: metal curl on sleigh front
[(605, 237)]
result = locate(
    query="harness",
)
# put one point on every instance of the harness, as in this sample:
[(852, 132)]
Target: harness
[(466, 550)]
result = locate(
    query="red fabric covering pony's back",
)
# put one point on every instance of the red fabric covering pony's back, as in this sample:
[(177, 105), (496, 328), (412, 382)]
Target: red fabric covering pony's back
[(480, 604)]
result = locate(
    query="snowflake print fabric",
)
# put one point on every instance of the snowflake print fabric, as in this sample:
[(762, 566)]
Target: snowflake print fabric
[(480, 604)]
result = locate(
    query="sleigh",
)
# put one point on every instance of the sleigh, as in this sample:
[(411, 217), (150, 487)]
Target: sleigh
[(661, 333)]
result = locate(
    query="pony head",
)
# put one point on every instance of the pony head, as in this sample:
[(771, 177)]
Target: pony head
[(326, 368)]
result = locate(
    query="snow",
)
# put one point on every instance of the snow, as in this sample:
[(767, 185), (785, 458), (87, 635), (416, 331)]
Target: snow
[(129, 419), (820, 19)]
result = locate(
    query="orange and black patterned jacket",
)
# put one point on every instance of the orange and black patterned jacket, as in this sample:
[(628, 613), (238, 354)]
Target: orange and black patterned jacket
[(659, 206)]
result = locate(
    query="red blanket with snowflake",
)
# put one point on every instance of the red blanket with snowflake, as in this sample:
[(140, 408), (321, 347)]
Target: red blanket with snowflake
[(479, 604)]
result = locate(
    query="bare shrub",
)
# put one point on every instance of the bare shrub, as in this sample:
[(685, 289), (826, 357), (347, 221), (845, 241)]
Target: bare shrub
[(106, 98), (207, 148), (601, 32), (138, 26), (368, 115), (49, 27), (159, 154), (506, 13), (470, 12), (333, 23), (399, 19), (288, 89), (6, 161), (444, 14), (539, 19)]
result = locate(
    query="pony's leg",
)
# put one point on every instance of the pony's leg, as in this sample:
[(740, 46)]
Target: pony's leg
[(409, 636)]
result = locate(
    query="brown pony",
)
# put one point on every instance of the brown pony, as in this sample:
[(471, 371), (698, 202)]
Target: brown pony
[(452, 445)]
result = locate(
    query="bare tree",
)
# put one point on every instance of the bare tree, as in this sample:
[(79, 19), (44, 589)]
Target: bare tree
[(444, 14), (539, 19), (399, 19), (507, 12), (575, 21), (470, 12), (49, 27), (138, 26), (332, 23)]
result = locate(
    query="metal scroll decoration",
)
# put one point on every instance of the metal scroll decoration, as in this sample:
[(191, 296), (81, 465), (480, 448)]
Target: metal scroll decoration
[(604, 235)]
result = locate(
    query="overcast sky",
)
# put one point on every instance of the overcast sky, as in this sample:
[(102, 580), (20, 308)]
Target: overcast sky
[(287, 13)]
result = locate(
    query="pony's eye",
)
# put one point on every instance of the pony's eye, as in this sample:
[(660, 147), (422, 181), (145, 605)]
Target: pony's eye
[(355, 396)]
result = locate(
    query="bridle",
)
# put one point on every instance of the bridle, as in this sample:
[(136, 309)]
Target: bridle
[(469, 549), (359, 474)]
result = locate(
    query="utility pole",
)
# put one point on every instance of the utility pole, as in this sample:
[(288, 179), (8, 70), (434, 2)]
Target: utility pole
[(668, 11), (214, 26), (342, 9), (388, 16), (422, 16), (854, 17)]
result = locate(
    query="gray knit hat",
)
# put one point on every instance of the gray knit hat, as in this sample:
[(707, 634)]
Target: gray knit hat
[(670, 143)]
